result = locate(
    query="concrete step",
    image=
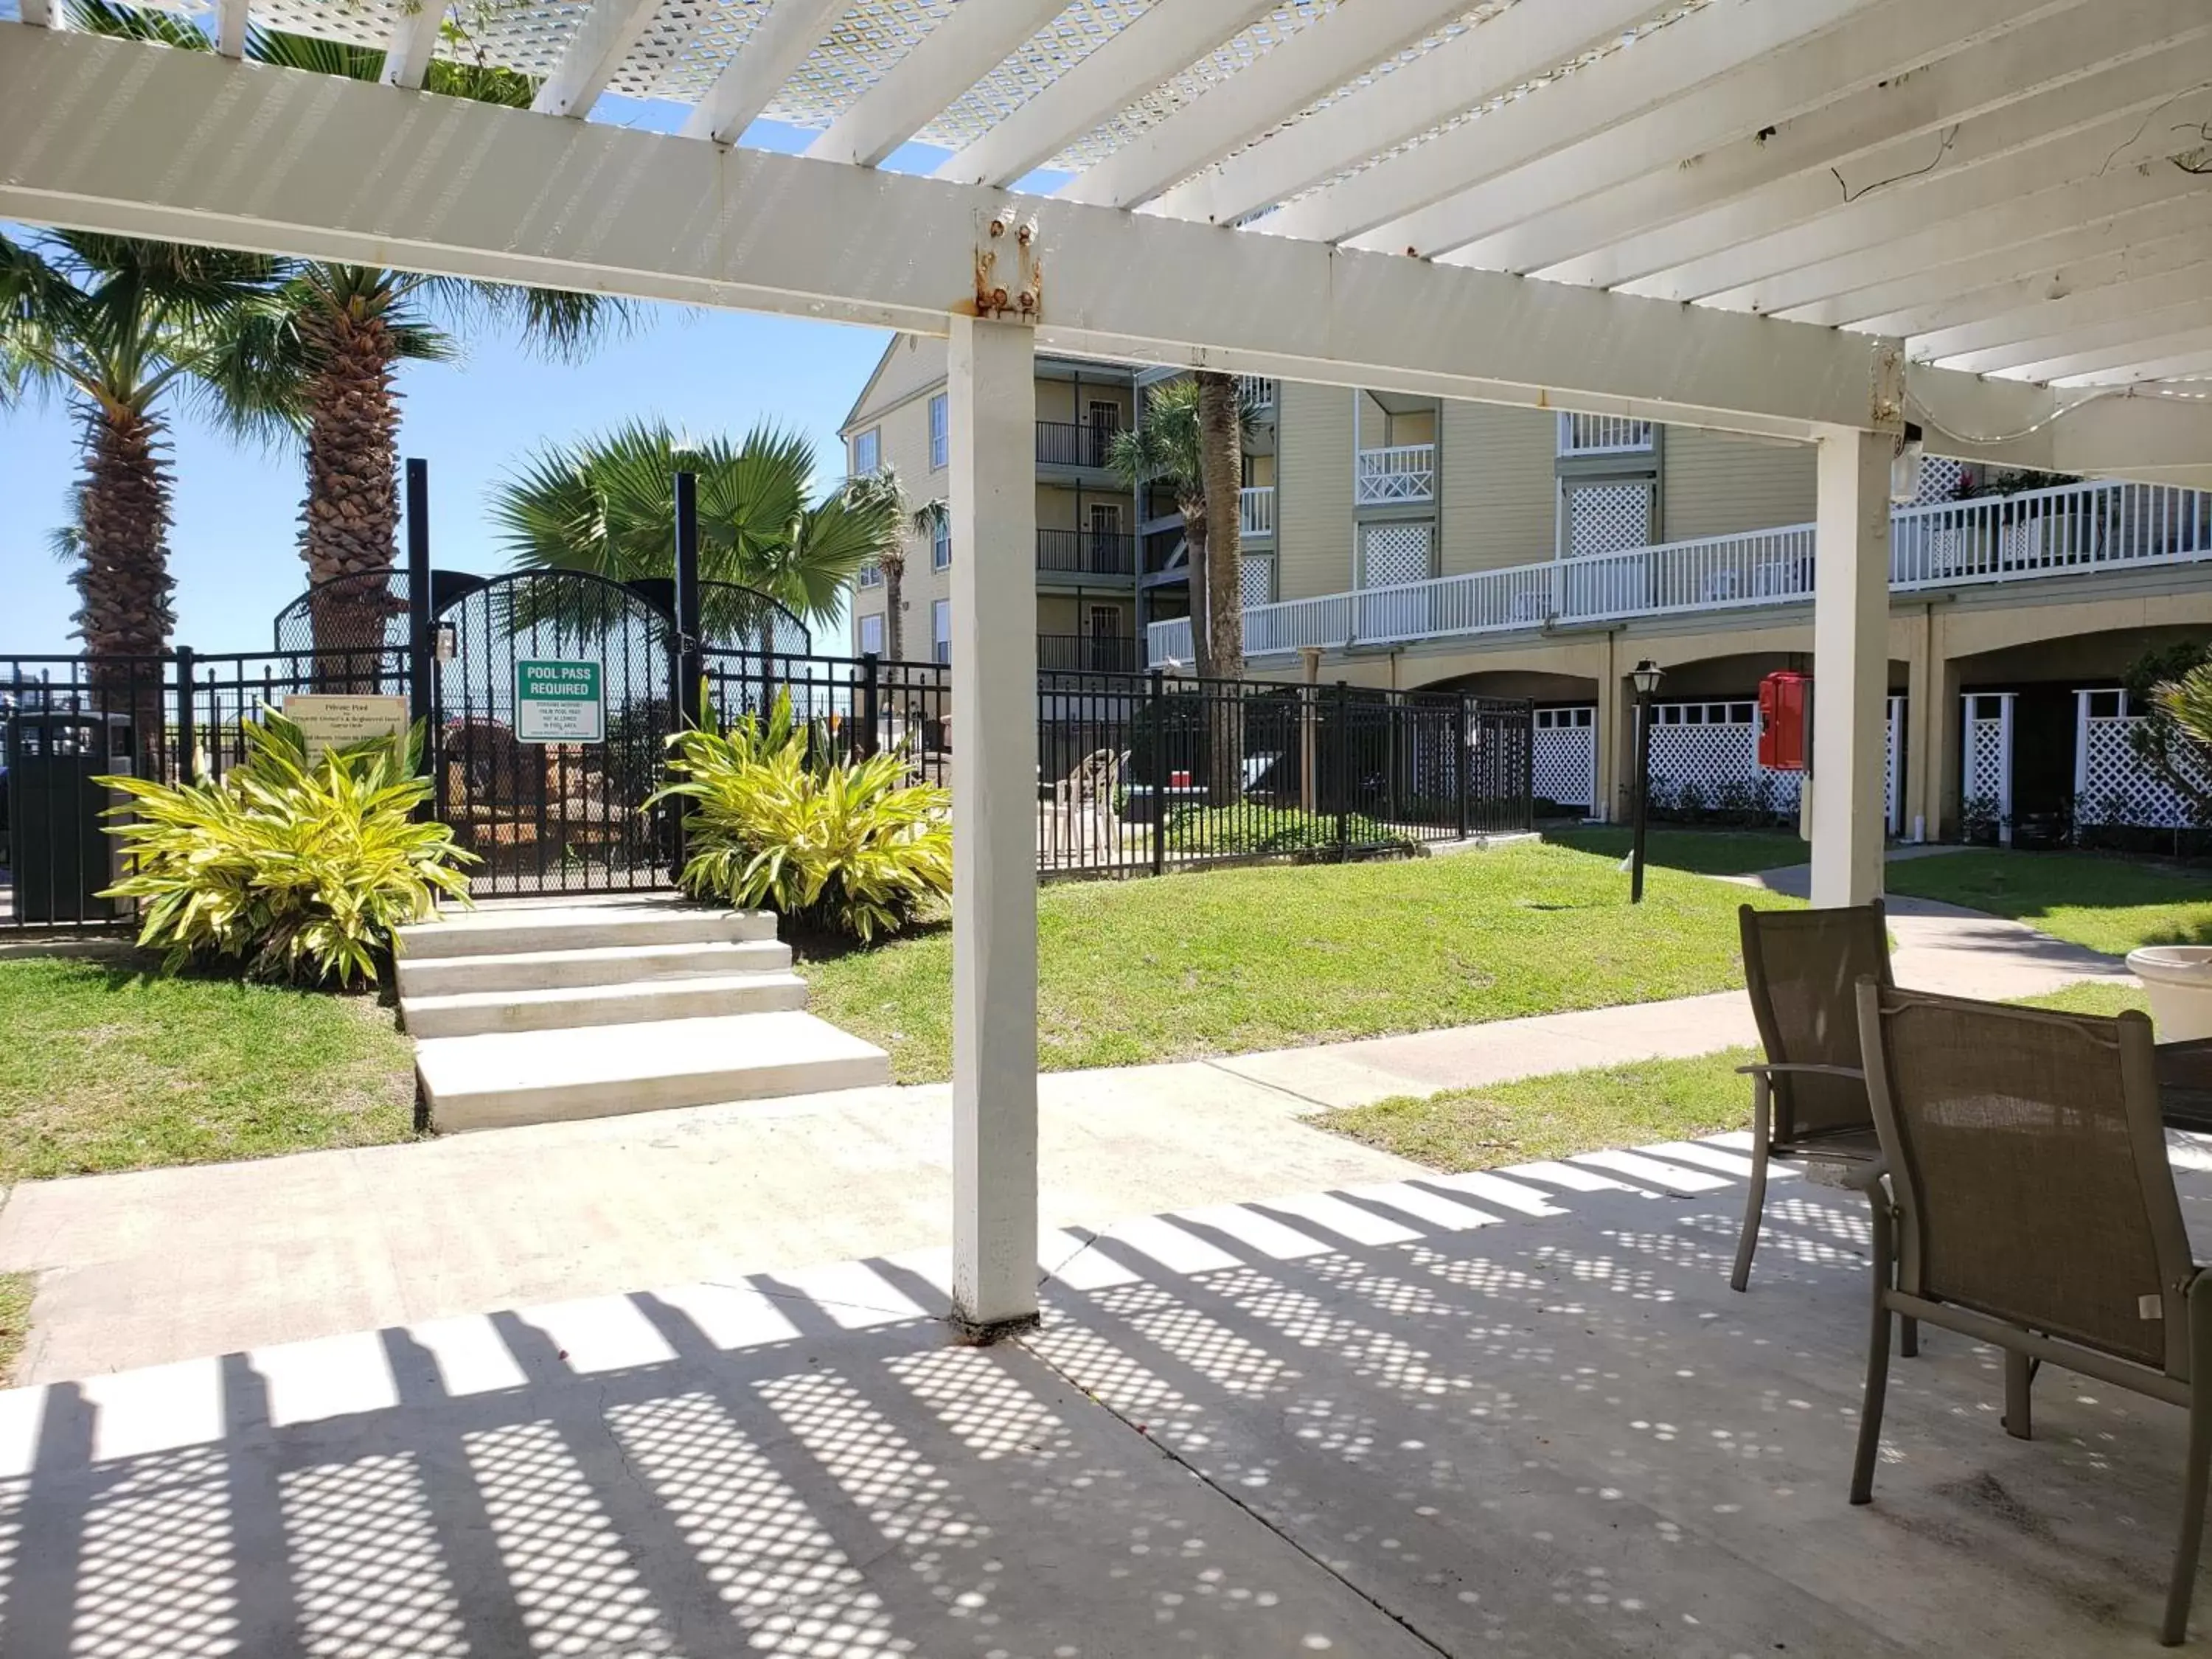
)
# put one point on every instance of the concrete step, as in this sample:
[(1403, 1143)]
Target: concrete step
[(505, 1077), (470, 1013), (617, 965), (514, 930)]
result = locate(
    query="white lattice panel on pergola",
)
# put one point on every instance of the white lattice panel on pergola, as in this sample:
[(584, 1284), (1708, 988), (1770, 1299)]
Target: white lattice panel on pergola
[(1565, 765), (2112, 784), (1395, 553), (1606, 518)]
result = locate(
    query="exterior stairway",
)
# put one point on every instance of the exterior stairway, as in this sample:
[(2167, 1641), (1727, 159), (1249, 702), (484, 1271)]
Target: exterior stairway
[(532, 1015)]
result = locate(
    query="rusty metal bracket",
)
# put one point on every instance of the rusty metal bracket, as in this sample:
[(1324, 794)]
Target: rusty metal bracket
[(1018, 293)]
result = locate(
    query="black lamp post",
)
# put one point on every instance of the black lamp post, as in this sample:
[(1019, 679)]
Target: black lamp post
[(1645, 676)]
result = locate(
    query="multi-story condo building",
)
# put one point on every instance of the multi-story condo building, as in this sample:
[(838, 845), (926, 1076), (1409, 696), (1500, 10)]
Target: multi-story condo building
[(1415, 542)]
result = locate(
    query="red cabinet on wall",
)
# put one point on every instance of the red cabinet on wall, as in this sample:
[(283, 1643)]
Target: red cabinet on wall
[(1785, 721)]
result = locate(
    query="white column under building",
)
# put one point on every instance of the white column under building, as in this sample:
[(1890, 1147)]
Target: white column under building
[(994, 1048), (1850, 665)]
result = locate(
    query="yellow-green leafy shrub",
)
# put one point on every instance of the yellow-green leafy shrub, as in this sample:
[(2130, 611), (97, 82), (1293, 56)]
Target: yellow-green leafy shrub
[(296, 871), (853, 847)]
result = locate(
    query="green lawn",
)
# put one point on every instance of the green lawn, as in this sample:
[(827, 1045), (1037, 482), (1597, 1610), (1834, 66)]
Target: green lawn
[(1230, 961), (103, 1066), (2108, 905), (1630, 1105), (1707, 852)]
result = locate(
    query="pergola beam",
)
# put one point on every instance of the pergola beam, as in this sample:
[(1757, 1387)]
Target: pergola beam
[(1311, 64), (121, 136), (2124, 312), (2165, 346), (230, 27), (2195, 362), (39, 14), (1407, 202), (602, 41), (2105, 290), (1992, 92), (771, 55), (1490, 226), (1150, 49), (2034, 193), (967, 44), (1462, 73), (414, 41), (2099, 433), (1736, 208)]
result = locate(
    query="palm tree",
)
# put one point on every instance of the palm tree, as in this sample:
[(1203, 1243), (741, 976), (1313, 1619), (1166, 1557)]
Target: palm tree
[(607, 505), (1221, 423), (1169, 446), (122, 328), (924, 520), (353, 325)]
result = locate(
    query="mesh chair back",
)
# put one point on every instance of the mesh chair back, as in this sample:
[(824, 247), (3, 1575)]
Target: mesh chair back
[(1801, 967), (2029, 1168)]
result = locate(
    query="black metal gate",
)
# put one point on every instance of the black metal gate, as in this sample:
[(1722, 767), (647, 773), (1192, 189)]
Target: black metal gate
[(554, 697)]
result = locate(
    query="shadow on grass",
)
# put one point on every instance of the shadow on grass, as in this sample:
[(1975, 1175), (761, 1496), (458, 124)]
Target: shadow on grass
[(1697, 852)]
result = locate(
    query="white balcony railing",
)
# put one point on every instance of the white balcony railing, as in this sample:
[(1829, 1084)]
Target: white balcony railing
[(1255, 511), (2072, 530), (1603, 435), (1259, 391), (1403, 473)]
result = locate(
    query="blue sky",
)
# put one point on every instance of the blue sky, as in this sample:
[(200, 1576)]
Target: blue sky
[(234, 543)]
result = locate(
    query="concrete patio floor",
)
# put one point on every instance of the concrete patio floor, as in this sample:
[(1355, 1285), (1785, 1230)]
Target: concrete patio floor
[(1514, 1413)]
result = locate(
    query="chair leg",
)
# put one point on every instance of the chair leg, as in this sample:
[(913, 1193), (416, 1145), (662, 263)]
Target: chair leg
[(1877, 1378), (1908, 1337), (2019, 1382), (2198, 1466), (1755, 1203)]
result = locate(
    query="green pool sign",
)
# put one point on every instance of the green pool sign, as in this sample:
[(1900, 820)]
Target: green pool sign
[(557, 702)]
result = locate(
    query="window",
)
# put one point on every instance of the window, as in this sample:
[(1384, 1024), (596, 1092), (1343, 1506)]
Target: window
[(940, 430), (940, 629), (872, 575), (872, 635), (866, 450), (940, 543)]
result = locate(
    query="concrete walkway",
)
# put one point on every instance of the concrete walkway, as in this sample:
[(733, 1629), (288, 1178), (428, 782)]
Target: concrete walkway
[(163, 1265)]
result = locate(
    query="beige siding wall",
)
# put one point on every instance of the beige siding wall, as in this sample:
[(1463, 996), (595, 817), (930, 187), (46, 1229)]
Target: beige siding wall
[(1717, 484), (1313, 493), (1496, 466), (904, 447)]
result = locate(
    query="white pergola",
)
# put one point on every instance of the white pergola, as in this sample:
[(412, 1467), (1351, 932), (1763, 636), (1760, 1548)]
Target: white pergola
[(1816, 220)]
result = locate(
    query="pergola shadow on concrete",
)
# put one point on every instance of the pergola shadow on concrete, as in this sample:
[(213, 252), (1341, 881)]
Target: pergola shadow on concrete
[(1516, 1412), (1818, 221)]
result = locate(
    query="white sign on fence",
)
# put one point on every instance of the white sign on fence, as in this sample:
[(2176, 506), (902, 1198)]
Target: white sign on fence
[(329, 722), (557, 702)]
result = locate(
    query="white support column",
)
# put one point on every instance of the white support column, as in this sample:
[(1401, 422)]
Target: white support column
[(1850, 665), (994, 1049)]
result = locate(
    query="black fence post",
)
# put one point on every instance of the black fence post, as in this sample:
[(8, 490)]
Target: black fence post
[(421, 689), (686, 663), (871, 703), (1463, 764), (187, 771), (1344, 764), (1159, 771)]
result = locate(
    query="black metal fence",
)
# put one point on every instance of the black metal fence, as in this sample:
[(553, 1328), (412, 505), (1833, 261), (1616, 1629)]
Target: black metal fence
[(1137, 773)]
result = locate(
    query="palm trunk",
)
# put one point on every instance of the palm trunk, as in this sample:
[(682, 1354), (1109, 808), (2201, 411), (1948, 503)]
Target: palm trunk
[(352, 515), (894, 605), (125, 618), (1194, 535), (1222, 453)]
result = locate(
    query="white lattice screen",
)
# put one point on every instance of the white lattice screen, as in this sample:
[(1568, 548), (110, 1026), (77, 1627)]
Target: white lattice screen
[(1256, 579), (1395, 553), (1715, 746), (2111, 785), (1565, 761), (1985, 771), (1939, 478), (1604, 518)]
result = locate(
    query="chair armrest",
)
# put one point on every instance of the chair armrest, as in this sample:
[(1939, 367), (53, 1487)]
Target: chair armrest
[(1770, 1068)]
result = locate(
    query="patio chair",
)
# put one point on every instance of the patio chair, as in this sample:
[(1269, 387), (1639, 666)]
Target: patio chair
[(2032, 1207), (1808, 1096)]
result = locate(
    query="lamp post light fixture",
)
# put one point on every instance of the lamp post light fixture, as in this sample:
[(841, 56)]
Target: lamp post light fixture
[(1645, 677)]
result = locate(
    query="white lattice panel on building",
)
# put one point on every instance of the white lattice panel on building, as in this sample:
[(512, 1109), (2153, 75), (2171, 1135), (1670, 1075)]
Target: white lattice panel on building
[(1257, 580), (1708, 748), (2113, 784), (1565, 763), (1606, 518), (1396, 553)]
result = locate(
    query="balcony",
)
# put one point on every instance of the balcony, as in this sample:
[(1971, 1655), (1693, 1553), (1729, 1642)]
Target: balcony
[(1087, 552), (1090, 653), (1069, 443), (1603, 435), (1258, 391), (1403, 473), (2073, 530), (1255, 511)]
